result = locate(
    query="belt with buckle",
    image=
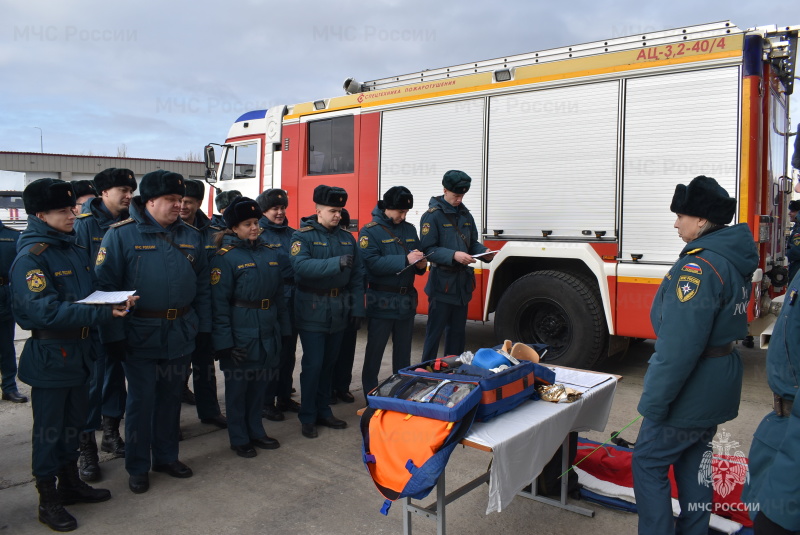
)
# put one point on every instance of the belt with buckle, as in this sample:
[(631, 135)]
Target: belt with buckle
[(169, 314), (330, 292), (81, 333), (781, 406), (717, 351), (263, 304), (402, 290)]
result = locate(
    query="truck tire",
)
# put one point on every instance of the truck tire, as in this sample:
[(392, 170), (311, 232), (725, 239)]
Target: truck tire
[(562, 310)]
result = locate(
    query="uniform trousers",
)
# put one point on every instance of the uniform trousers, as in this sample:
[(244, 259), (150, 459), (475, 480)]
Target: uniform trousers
[(8, 355), (657, 447), (401, 331), (280, 384), (153, 410), (320, 351), (59, 415), (244, 398), (450, 320), (343, 369), (204, 380), (107, 391)]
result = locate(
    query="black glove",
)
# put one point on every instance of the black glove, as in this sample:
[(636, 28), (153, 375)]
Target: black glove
[(238, 356), (202, 344), (117, 350), (223, 354), (355, 322), (345, 261)]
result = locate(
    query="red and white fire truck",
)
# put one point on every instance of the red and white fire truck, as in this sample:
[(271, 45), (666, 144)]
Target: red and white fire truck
[(574, 153)]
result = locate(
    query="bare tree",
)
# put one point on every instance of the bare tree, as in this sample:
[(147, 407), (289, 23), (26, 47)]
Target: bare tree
[(122, 151), (191, 157)]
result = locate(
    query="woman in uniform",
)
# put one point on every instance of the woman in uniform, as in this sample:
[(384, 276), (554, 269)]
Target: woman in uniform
[(49, 274), (250, 317), (694, 380)]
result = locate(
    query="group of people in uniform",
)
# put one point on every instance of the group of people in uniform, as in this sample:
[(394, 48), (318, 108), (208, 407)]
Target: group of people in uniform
[(243, 286)]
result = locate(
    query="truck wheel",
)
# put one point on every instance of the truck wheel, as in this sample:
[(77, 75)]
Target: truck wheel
[(555, 308)]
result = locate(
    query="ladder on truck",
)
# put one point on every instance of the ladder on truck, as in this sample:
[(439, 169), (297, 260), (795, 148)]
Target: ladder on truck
[(780, 46)]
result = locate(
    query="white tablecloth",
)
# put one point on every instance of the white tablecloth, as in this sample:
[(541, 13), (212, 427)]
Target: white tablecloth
[(525, 439)]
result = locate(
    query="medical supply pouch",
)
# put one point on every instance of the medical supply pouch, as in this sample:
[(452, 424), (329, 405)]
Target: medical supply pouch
[(405, 454), (501, 391), (442, 398)]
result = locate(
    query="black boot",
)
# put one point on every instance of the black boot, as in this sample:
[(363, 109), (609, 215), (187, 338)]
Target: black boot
[(51, 512), (89, 463), (71, 489), (112, 441)]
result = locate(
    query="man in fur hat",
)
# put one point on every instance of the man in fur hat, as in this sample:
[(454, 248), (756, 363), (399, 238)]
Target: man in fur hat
[(164, 260), (390, 246), (107, 392)]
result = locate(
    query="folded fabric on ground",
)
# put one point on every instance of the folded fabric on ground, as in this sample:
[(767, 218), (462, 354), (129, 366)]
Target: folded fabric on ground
[(607, 479)]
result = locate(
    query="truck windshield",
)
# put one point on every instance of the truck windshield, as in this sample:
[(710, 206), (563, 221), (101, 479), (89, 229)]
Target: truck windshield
[(239, 161)]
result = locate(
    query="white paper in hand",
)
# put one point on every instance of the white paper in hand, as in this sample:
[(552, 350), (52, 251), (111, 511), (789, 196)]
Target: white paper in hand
[(107, 298)]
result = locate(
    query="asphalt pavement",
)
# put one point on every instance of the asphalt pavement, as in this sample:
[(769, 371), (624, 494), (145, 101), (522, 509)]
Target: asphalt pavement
[(320, 486)]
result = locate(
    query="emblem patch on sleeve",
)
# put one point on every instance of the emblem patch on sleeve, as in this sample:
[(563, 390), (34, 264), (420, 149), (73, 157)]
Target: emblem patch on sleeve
[(101, 256), (687, 287), (426, 227), (295, 248), (216, 273), (36, 281), (363, 242)]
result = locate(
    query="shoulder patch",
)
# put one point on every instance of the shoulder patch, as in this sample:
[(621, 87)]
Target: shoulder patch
[(81, 216), (222, 250), (426, 227), (687, 287), (123, 222), (370, 224), (296, 247), (363, 241), (101, 256), (305, 229), (694, 251), (39, 248), (216, 274), (36, 280)]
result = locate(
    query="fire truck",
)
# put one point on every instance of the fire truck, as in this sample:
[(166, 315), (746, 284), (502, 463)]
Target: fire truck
[(574, 154)]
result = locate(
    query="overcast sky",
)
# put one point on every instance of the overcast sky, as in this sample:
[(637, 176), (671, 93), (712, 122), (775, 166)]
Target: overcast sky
[(164, 78)]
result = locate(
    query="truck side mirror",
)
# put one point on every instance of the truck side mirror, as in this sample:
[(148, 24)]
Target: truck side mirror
[(210, 160)]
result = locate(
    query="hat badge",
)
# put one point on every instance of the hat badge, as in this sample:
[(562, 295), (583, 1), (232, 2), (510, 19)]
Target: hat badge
[(69, 193)]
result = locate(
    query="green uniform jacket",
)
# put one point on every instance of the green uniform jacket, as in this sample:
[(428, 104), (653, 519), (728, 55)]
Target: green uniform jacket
[(701, 303), (449, 281), (49, 274), (775, 454), (315, 254), (92, 225), (132, 256)]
